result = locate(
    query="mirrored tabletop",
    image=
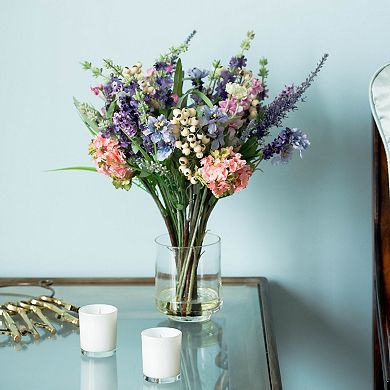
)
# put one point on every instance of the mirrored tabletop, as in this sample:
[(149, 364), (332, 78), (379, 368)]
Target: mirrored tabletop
[(234, 350)]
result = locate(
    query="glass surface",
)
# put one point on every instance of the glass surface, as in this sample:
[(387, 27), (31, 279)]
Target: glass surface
[(227, 352)]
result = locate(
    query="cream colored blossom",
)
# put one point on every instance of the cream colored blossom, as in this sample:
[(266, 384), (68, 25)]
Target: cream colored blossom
[(236, 90)]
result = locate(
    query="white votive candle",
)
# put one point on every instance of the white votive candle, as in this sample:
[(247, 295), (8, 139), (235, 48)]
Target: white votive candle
[(98, 330), (161, 354)]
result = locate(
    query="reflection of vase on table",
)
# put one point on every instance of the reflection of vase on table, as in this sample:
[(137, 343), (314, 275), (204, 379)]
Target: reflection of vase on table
[(203, 356)]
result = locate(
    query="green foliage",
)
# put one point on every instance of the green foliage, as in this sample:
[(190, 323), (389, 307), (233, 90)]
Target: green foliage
[(183, 100), (108, 64), (122, 184), (246, 43), (213, 75), (178, 79), (204, 98), (86, 65), (97, 72), (111, 109), (263, 71), (90, 116), (249, 149), (91, 169), (175, 51)]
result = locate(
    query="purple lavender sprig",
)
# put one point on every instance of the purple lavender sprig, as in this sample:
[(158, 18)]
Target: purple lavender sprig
[(281, 148), (286, 102)]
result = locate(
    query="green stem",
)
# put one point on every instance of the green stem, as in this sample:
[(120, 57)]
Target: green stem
[(185, 270)]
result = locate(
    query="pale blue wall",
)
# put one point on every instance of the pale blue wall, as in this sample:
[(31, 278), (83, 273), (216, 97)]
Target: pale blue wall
[(307, 226)]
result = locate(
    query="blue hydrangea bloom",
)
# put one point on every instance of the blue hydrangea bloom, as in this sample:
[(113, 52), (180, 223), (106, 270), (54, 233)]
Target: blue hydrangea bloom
[(159, 132), (214, 118)]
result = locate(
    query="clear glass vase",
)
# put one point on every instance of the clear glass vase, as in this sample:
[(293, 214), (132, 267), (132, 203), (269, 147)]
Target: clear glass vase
[(188, 279)]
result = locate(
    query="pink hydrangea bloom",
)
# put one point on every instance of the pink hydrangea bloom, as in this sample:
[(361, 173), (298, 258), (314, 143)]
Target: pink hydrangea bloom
[(256, 87), (242, 179), (225, 172), (109, 159)]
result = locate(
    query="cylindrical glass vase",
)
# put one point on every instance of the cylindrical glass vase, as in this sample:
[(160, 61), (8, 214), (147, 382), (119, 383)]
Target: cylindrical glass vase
[(188, 279)]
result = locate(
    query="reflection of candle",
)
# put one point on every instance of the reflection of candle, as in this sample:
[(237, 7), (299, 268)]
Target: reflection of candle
[(98, 330), (161, 354), (179, 385), (98, 374)]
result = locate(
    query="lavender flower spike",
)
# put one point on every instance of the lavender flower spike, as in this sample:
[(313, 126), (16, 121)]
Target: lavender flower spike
[(281, 148), (286, 102)]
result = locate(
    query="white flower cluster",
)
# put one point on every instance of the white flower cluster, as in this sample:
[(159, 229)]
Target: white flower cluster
[(190, 139), (186, 171), (136, 71), (238, 91)]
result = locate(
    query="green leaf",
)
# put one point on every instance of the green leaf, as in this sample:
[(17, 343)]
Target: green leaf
[(110, 111), (91, 169), (91, 125), (178, 79), (135, 147), (204, 98), (183, 100), (249, 149), (144, 174)]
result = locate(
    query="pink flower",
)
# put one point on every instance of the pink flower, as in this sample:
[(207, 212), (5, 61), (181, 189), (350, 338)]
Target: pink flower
[(230, 106), (169, 68), (256, 87), (225, 172), (150, 73), (242, 179), (96, 89), (109, 159), (175, 98)]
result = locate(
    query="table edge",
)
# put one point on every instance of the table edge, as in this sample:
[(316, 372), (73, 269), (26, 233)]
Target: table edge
[(260, 282)]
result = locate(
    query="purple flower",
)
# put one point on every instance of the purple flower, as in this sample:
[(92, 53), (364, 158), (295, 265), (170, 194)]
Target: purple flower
[(284, 156), (281, 148), (164, 150), (237, 62), (113, 87), (164, 82), (299, 141), (124, 141), (286, 102), (163, 92), (197, 74), (214, 118), (226, 77), (159, 132), (124, 122)]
